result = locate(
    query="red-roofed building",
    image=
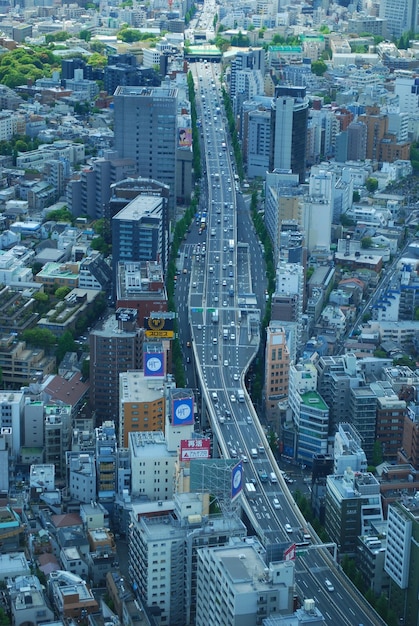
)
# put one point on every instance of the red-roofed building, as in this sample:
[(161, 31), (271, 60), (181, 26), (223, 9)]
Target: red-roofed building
[(71, 391)]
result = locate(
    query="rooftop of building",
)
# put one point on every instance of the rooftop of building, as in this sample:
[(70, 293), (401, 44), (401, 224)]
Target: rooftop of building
[(136, 387), (147, 92), (140, 207), (68, 390), (314, 400), (149, 445)]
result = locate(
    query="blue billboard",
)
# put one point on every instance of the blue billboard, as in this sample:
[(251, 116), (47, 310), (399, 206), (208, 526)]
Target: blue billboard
[(154, 364), (182, 412), (236, 480)]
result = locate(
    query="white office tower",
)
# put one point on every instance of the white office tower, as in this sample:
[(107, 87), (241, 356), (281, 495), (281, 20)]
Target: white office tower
[(406, 88), (152, 465), (163, 553), (235, 585), (401, 15), (402, 554), (318, 210), (288, 300), (348, 451), (11, 413)]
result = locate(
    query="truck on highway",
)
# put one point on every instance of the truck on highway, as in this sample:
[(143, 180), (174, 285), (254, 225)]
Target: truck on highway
[(215, 316), (231, 244), (240, 395), (225, 333), (263, 475), (254, 453), (250, 490)]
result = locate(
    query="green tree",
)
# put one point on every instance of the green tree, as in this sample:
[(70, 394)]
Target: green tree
[(97, 46), (377, 453), (39, 337), (85, 369), (66, 344), (318, 67), (99, 244), (4, 618), (97, 60), (346, 221), (366, 242), (21, 145), (371, 184), (85, 34), (405, 360), (324, 29), (56, 37), (62, 292), (60, 215), (356, 196)]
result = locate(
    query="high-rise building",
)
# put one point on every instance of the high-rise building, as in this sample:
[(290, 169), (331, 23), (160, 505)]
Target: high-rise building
[(90, 192), (336, 376), (152, 465), (391, 412), (141, 286), (251, 60), (357, 141), (363, 412), (11, 412), (106, 461), (247, 588), (57, 436), (401, 16), (141, 406), (310, 412), (277, 362), (348, 451), (138, 233), (146, 131), (258, 142), (401, 560), (288, 298), (282, 202), (289, 130), (164, 541), (116, 346), (353, 504)]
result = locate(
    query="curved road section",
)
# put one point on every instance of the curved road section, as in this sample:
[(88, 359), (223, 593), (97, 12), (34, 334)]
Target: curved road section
[(224, 321)]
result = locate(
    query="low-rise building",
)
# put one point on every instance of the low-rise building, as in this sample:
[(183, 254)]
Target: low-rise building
[(22, 365), (27, 602), (70, 595), (64, 316)]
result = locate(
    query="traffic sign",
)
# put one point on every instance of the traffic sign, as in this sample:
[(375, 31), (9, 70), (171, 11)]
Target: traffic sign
[(161, 334)]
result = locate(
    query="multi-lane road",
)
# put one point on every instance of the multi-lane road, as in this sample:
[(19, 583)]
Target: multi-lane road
[(219, 320)]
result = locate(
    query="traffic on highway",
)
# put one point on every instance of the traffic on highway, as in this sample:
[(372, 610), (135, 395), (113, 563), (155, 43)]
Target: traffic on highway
[(219, 322)]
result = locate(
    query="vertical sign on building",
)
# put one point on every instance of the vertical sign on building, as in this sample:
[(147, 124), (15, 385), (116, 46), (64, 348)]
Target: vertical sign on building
[(182, 412), (154, 364), (236, 480)]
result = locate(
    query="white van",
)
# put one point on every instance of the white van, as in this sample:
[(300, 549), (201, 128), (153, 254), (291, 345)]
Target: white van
[(273, 478)]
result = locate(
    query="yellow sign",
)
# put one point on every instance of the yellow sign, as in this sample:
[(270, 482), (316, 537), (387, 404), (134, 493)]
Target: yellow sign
[(161, 334)]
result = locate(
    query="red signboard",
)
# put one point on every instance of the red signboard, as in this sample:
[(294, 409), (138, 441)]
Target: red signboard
[(191, 449), (289, 553)]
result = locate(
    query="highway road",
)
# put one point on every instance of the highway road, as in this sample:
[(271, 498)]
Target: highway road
[(219, 322)]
